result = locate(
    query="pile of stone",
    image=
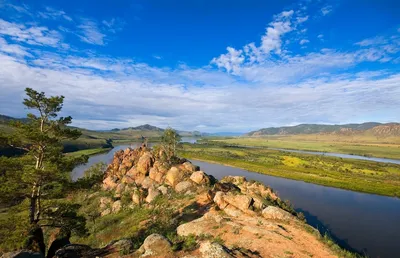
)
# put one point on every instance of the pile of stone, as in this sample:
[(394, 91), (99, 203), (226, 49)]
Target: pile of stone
[(138, 173)]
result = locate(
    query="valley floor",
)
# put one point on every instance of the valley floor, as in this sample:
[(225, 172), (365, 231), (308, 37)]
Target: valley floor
[(356, 175), (356, 145)]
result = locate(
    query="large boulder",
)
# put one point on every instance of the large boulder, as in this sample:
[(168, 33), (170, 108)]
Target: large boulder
[(213, 250), (189, 166), (155, 245), (174, 176), (240, 201), (153, 193), (219, 200), (183, 186), (156, 175), (200, 178), (272, 212), (145, 163)]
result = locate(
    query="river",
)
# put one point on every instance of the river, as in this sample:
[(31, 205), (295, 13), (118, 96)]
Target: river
[(366, 223)]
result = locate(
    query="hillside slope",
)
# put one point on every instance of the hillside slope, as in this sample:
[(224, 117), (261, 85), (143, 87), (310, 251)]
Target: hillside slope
[(384, 130)]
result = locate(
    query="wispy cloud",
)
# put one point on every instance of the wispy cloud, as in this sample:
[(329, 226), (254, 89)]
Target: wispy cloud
[(51, 13), (34, 35), (326, 10), (90, 32), (304, 41)]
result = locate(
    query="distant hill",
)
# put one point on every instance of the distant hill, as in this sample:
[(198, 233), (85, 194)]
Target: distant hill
[(377, 129)]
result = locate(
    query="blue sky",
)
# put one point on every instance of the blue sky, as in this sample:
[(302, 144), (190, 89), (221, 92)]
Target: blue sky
[(204, 65)]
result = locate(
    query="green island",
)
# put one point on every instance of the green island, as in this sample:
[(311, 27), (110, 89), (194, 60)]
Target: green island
[(351, 174)]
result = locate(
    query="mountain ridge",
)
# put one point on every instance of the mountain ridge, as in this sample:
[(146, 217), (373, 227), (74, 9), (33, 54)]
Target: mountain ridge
[(382, 129)]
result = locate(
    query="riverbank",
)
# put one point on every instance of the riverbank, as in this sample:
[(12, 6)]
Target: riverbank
[(355, 175), (363, 146), (88, 152)]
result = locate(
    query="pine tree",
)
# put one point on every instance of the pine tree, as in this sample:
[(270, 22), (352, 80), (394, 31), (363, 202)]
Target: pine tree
[(42, 174)]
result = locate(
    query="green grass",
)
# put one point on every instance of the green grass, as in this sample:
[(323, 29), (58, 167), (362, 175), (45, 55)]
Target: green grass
[(88, 152), (356, 175), (356, 146)]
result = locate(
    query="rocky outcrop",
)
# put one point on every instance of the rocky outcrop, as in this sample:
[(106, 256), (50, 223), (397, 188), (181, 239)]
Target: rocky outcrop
[(242, 214)]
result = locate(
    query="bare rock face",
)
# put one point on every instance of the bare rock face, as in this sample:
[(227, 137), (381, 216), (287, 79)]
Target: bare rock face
[(272, 212), (153, 193), (174, 176), (200, 178), (155, 245), (213, 250), (183, 186)]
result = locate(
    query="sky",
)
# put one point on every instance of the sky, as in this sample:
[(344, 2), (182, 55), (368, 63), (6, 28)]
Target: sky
[(210, 66)]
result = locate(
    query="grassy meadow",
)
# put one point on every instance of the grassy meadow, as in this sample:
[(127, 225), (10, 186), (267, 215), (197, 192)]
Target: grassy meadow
[(356, 175), (363, 145)]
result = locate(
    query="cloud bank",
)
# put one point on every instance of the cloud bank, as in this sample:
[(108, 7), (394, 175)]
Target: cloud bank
[(260, 84)]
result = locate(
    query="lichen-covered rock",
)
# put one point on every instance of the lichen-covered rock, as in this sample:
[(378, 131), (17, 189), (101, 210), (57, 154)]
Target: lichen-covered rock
[(219, 200), (163, 189), (156, 175), (145, 163), (137, 197), (272, 212), (213, 250), (240, 201), (110, 183), (153, 193), (155, 245), (183, 186), (105, 202), (200, 178), (189, 166), (174, 176), (116, 207), (148, 183)]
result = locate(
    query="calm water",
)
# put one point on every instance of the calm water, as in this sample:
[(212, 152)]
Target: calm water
[(366, 223)]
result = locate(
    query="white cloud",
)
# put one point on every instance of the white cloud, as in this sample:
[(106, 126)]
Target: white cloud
[(320, 36), (302, 19), (13, 49), (157, 57), (54, 14), (231, 61), (34, 35), (326, 10), (304, 41), (90, 32), (372, 41)]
